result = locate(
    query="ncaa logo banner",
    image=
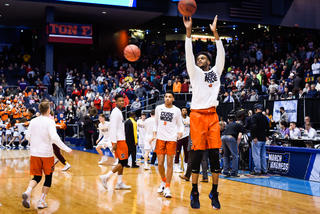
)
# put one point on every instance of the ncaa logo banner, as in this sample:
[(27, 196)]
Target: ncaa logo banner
[(290, 107), (279, 162)]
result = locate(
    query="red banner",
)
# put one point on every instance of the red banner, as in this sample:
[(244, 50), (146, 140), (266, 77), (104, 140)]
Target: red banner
[(69, 33)]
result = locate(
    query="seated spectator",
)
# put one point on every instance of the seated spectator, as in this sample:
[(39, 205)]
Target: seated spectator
[(311, 132), (306, 88), (294, 131), (254, 96), (92, 110), (318, 83), (228, 98), (135, 105), (312, 93), (290, 97), (60, 109), (285, 132), (244, 97), (285, 94)]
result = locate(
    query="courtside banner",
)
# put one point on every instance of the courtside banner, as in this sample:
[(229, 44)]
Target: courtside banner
[(69, 33), (290, 107)]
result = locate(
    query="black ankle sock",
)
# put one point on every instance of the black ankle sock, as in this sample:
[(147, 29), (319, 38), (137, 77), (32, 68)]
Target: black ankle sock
[(214, 187), (195, 187)]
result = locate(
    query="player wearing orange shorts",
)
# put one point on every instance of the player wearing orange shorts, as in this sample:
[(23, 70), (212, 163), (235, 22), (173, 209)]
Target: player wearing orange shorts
[(42, 133), (204, 121), (119, 146), (167, 130)]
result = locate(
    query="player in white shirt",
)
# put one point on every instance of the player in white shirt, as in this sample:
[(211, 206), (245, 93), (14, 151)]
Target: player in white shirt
[(42, 133), (204, 120), (149, 142), (167, 130), (183, 142), (105, 142), (119, 145), (141, 131)]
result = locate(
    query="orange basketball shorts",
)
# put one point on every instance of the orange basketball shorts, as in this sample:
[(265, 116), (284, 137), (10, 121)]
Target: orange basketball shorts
[(39, 164), (166, 147), (205, 129), (122, 150)]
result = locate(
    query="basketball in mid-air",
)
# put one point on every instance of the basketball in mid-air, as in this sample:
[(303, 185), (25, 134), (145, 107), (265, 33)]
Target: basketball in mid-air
[(132, 53), (187, 7)]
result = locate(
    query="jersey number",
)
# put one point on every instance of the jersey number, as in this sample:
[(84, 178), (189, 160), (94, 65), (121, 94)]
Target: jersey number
[(165, 123)]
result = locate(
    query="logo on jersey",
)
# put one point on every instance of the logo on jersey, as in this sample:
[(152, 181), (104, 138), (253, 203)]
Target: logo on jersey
[(211, 77), (141, 126), (166, 116)]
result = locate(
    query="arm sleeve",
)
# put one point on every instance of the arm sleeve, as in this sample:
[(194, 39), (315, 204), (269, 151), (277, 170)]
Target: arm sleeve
[(156, 120), (113, 128), (28, 136), (56, 139), (100, 133), (220, 59), (191, 64), (179, 122)]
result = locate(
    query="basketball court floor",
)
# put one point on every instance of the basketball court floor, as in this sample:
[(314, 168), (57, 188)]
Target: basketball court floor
[(79, 190)]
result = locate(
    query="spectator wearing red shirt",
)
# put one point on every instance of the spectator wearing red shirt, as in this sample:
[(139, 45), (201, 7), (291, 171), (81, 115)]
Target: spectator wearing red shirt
[(75, 93), (107, 106), (185, 86), (97, 103), (126, 100)]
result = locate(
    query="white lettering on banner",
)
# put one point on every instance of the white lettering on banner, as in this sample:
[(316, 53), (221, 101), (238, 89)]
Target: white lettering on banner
[(279, 162), (290, 107), (315, 172)]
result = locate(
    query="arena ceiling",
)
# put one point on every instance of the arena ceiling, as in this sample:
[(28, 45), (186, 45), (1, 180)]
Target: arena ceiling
[(32, 15)]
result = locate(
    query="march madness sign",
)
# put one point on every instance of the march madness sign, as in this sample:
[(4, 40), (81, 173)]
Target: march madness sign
[(69, 33), (279, 162)]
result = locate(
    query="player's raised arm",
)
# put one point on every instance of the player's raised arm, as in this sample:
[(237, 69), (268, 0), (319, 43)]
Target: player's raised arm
[(190, 61), (156, 121), (220, 59)]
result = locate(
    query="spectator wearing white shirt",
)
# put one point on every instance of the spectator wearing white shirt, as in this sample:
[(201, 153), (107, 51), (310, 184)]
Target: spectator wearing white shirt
[(294, 131), (315, 68), (311, 132), (240, 83), (100, 78)]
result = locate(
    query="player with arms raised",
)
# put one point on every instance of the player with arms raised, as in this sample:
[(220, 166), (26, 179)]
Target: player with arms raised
[(204, 121)]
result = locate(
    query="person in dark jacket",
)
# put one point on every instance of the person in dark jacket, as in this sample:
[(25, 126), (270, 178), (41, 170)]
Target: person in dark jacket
[(259, 133), (88, 130), (130, 127)]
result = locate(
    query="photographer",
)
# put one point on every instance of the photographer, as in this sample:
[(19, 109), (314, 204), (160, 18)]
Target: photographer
[(231, 138)]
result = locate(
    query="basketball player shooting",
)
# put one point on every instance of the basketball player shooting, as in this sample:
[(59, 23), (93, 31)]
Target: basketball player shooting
[(204, 121)]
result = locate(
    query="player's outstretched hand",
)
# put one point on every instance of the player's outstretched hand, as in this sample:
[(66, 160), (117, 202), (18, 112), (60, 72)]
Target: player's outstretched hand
[(179, 135), (213, 26), (70, 153), (187, 20)]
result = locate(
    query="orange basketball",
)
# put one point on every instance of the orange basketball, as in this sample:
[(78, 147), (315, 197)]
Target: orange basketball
[(132, 53), (187, 7)]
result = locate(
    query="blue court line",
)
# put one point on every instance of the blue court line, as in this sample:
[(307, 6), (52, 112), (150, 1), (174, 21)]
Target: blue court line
[(276, 182)]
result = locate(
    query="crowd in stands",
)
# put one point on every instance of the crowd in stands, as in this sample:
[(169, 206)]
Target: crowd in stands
[(268, 68)]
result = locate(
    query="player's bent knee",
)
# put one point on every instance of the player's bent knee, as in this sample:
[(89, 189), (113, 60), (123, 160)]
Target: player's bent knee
[(37, 178), (124, 162), (48, 181), (214, 160)]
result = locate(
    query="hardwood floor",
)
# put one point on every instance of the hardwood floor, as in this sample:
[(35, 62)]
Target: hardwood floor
[(79, 191)]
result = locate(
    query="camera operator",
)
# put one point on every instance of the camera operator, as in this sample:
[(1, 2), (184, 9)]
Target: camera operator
[(231, 138), (259, 133)]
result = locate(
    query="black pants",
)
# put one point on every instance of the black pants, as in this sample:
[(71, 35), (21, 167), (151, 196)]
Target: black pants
[(190, 161), (132, 149), (88, 137)]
